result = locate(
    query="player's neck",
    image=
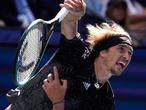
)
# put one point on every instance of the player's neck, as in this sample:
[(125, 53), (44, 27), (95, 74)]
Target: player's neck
[(102, 75)]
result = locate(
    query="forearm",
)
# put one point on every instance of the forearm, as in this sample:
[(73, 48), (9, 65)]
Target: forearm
[(69, 25), (69, 29)]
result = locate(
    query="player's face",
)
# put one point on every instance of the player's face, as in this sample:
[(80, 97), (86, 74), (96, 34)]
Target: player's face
[(117, 58)]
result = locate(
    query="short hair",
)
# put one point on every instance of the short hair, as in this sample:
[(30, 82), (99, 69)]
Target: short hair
[(100, 33)]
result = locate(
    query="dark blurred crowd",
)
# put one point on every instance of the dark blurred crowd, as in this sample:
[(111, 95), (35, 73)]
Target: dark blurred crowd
[(130, 14), (20, 13)]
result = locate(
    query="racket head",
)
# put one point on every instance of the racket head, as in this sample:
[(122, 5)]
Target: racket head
[(31, 49)]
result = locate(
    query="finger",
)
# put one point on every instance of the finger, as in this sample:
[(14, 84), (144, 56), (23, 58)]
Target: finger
[(69, 7), (56, 77), (78, 5), (44, 88), (71, 4), (50, 77), (77, 2), (46, 82)]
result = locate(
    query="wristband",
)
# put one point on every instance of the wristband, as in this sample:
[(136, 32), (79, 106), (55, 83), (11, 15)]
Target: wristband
[(61, 101)]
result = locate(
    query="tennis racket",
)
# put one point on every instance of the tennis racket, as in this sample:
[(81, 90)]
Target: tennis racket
[(32, 47)]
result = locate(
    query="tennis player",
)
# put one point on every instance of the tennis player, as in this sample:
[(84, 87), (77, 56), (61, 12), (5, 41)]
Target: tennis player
[(109, 51)]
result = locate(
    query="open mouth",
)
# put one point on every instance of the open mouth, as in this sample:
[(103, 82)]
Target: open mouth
[(121, 64)]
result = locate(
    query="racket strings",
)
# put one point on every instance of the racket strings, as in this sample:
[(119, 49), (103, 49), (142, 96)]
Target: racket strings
[(30, 53)]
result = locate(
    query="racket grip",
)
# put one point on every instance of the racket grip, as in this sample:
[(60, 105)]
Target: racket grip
[(61, 14)]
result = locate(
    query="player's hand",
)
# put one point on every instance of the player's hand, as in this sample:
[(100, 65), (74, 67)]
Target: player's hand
[(55, 88), (76, 9)]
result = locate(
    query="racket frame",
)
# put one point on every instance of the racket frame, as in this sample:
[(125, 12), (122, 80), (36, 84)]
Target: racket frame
[(44, 46)]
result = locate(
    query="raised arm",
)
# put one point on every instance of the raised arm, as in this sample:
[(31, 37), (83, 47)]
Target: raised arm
[(69, 26)]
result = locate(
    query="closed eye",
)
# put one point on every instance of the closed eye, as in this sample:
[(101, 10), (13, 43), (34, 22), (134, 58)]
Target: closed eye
[(121, 49)]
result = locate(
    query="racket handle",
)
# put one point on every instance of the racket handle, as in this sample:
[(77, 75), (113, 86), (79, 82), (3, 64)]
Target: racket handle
[(61, 14)]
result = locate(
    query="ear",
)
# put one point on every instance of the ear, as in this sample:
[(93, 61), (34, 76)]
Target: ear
[(103, 53)]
